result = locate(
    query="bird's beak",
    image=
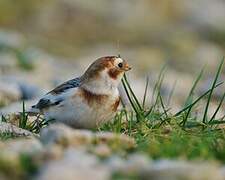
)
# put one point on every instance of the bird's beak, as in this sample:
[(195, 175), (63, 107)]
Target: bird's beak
[(127, 68)]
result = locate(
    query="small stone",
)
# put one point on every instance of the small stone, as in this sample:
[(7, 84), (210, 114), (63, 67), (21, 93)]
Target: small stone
[(74, 165), (135, 164), (8, 62), (9, 92), (14, 130), (119, 139), (64, 135), (102, 150), (166, 170), (138, 161), (28, 146), (29, 91), (222, 171), (13, 151), (53, 152), (11, 39), (55, 134), (115, 163)]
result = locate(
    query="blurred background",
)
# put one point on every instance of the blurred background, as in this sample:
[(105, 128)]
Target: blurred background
[(45, 42)]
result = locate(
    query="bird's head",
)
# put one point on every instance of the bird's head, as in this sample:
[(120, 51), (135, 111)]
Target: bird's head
[(105, 72)]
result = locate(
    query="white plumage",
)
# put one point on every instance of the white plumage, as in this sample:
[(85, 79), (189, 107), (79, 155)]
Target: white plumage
[(89, 100)]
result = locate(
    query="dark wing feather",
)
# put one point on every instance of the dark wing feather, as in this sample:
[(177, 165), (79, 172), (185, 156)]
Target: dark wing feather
[(45, 102), (73, 83)]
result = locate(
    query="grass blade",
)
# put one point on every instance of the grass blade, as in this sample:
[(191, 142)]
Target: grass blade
[(190, 95), (197, 100), (145, 92), (218, 108), (186, 116), (132, 92), (162, 104), (189, 99), (3, 119), (158, 83), (23, 117), (212, 89), (216, 122), (129, 96)]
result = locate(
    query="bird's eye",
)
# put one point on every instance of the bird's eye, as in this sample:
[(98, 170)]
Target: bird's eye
[(120, 65)]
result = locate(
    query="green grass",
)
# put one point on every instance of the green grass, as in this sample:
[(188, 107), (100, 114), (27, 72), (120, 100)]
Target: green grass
[(24, 123), (161, 134)]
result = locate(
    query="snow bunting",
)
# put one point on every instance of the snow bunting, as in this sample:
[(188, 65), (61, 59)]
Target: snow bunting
[(89, 100)]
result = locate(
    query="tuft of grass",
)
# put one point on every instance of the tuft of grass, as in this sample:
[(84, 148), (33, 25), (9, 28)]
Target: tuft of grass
[(181, 135), (136, 105), (23, 118), (190, 97), (24, 122), (145, 92), (211, 92)]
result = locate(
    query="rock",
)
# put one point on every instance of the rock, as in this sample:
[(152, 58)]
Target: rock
[(29, 91), (66, 136), (74, 165), (102, 150), (115, 163), (11, 39), (9, 92), (8, 62), (213, 18), (222, 171), (176, 170), (10, 165), (137, 162), (16, 155), (141, 167), (53, 152), (134, 164), (14, 130), (116, 139), (28, 146)]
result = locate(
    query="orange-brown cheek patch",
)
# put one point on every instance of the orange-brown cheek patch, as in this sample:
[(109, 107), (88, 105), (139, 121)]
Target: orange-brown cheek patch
[(116, 105), (92, 98), (106, 62), (114, 73)]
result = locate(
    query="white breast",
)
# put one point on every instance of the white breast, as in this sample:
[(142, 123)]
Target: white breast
[(76, 112)]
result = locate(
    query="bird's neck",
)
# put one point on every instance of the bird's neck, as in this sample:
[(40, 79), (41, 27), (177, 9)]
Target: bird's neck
[(98, 87), (100, 83)]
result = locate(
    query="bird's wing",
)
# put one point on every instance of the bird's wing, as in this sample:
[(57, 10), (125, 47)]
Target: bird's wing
[(57, 95), (73, 83)]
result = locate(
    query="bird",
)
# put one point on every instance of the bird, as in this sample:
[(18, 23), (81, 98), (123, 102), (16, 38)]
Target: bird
[(87, 101)]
